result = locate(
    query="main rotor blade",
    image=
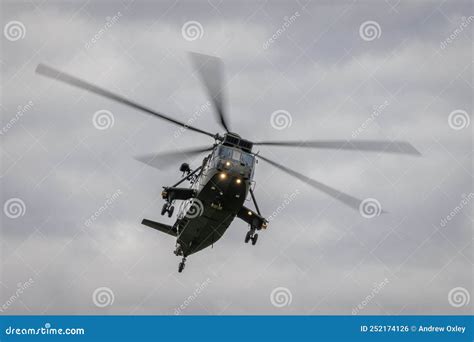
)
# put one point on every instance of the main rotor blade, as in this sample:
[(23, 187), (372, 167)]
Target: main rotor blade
[(210, 72), (401, 147), (161, 160), (348, 200), (76, 82)]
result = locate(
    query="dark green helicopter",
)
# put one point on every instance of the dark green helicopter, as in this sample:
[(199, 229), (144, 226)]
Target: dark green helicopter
[(220, 185)]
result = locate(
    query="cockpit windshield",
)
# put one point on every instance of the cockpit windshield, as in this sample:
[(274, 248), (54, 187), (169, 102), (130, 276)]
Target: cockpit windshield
[(237, 155)]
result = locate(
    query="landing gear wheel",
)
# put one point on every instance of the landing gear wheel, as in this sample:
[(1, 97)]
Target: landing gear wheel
[(254, 239), (170, 211), (164, 209), (181, 265), (248, 237)]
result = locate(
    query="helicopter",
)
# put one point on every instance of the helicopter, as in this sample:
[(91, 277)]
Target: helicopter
[(220, 185)]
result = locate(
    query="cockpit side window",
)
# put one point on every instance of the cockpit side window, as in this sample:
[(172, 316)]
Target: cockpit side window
[(247, 159)]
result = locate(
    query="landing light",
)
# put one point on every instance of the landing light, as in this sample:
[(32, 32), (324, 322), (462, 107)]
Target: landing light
[(250, 213), (238, 181), (228, 163), (222, 176)]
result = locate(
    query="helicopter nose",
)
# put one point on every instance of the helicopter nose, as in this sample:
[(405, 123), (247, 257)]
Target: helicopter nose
[(236, 170), (232, 175), (231, 178)]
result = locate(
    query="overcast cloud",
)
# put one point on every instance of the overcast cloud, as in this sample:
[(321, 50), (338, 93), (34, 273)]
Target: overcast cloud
[(321, 71)]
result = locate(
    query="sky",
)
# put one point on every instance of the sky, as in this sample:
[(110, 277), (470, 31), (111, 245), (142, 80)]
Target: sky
[(359, 70)]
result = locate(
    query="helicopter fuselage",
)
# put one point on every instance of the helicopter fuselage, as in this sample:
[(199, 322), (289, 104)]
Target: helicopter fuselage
[(221, 189)]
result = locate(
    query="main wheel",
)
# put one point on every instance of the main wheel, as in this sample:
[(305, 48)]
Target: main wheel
[(164, 209), (254, 239), (181, 267), (170, 211), (248, 237)]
